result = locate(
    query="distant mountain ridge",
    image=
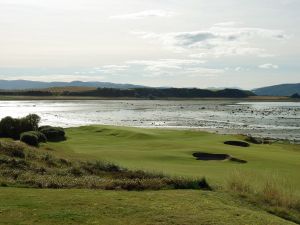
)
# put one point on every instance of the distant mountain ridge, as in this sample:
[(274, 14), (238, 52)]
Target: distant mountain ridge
[(27, 84), (278, 90)]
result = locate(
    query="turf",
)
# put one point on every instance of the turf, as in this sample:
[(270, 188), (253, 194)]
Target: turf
[(159, 150), (33, 206), (170, 152)]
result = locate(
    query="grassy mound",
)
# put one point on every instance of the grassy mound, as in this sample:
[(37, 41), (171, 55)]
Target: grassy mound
[(31, 167)]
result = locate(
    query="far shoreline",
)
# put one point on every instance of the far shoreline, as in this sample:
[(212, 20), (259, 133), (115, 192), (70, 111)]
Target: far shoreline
[(64, 98)]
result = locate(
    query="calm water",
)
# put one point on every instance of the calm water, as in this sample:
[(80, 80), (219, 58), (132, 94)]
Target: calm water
[(268, 119)]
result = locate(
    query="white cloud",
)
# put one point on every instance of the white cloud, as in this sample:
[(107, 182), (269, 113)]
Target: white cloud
[(145, 14), (220, 40), (112, 68), (56, 77), (175, 67), (157, 65), (203, 72), (237, 69), (268, 66), (229, 24)]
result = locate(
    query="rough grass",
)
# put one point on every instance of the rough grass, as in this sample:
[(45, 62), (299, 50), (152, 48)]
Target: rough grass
[(275, 194), (32, 167)]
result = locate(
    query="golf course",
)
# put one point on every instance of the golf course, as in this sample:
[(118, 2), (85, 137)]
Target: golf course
[(252, 184), (171, 152)]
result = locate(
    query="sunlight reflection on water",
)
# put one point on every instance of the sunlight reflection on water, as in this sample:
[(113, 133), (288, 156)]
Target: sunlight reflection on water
[(257, 118)]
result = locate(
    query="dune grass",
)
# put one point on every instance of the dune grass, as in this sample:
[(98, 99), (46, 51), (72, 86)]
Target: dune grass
[(22, 165), (274, 194)]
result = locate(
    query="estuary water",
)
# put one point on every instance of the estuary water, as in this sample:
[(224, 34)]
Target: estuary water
[(265, 119)]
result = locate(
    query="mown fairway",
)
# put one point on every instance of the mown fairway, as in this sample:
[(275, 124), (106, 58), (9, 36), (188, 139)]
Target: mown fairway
[(34, 206), (170, 152)]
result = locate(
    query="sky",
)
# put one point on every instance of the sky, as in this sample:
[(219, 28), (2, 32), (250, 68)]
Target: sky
[(190, 43)]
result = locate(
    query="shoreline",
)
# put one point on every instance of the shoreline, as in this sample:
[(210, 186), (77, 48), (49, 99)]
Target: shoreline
[(73, 98)]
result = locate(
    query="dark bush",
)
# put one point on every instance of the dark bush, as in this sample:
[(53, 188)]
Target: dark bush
[(9, 127), (30, 138), (53, 133), (43, 127), (29, 123), (41, 136), (12, 128)]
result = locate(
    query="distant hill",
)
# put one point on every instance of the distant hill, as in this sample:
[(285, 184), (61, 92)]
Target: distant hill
[(26, 84), (278, 90)]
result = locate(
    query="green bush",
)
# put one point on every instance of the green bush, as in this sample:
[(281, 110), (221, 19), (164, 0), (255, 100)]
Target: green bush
[(53, 133), (41, 136), (12, 128), (9, 127), (30, 138), (43, 127)]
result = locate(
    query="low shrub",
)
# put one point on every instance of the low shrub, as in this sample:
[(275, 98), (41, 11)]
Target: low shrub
[(42, 138), (30, 138), (53, 133), (33, 138)]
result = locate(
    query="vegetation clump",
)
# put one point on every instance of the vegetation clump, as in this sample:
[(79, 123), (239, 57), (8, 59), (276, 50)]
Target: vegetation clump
[(33, 138), (14, 127), (28, 131), (30, 138), (53, 133)]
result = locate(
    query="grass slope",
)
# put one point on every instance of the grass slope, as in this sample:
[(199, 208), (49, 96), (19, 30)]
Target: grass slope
[(32, 206), (170, 152)]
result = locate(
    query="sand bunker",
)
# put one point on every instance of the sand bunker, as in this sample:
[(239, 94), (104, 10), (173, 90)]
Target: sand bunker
[(210, 156), (237, 143)]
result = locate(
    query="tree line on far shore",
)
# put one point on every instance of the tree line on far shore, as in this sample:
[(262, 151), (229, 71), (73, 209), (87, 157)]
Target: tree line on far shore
[(148, 93)]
